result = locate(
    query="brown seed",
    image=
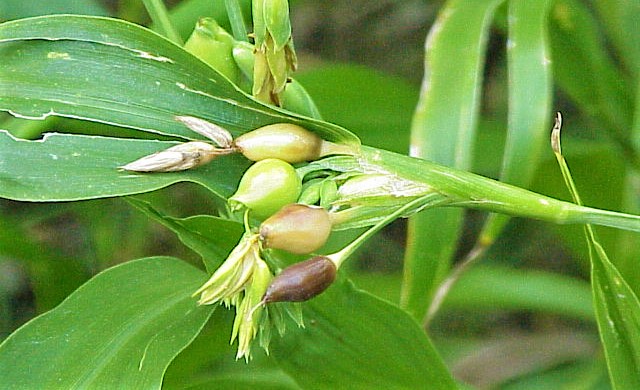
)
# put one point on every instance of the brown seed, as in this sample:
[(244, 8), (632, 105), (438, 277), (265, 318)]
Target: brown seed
[(301, 281), (296, 228)]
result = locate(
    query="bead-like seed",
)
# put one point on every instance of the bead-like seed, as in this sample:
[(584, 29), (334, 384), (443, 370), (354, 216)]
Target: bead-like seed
[(284, 141), (296, 228), (301, 281), (266, 187)]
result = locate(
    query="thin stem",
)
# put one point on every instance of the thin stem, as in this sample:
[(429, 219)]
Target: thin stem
[(443, 290), (234, 12), (339, 257), (160, 17)]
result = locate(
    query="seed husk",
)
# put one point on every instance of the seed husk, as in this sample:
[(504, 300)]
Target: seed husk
[(301, 281), (176, 158), (296, 228)]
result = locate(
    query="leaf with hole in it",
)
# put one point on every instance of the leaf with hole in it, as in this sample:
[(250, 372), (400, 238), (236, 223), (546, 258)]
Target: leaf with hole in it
[(64, 167), (119, 330), (356, 341), (112, 71)]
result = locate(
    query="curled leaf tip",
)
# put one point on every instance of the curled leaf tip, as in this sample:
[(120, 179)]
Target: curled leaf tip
[(555, 134)]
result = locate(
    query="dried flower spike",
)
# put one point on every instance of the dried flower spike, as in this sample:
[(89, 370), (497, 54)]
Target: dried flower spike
[(176, 158), (215, 133), (296, 228)]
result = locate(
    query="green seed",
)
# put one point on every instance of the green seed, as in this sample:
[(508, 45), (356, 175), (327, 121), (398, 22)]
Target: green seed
[(296, 228), (284, 141), (301, 281), (266, 187)]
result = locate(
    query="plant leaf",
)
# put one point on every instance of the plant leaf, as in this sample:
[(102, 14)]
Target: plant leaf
[(443, 131), (64, 167), (115, 72), (584, 71), (211, 237), (383, 122), (616, 305), (618, 314), (124, 342), (14, 9), (530, 96), (356, 341)]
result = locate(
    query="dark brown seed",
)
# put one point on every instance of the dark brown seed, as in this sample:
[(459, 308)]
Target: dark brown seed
[(301, 281)]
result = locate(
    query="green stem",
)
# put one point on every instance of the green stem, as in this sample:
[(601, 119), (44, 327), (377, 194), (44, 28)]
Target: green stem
[(429, 200), (466, 189), (234, 12), (160, 17)]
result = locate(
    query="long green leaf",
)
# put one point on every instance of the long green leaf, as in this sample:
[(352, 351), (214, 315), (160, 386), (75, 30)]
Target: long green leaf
[(584, 71), (15, 9), (618, 314), (619, 16), (52, 275), (112, 71), (119, 330), (64, 167), (383, 121), (443, 131), (530, 95), (616, 305), (211, 237), (353, 340)]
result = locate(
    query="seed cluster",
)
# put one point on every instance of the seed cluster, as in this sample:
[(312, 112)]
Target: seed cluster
[(270, 190)]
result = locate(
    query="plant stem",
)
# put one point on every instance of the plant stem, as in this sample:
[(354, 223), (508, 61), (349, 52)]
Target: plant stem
[(430, 200), (234, 12), (443, 290), (160, 16)]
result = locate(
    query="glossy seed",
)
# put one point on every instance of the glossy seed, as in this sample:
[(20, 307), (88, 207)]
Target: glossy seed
[(296, 228), (266, 187), (301, 281), (284, 141)]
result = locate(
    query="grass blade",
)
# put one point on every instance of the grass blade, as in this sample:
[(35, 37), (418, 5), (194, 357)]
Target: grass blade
[(530, 95), (443, 131), (616, 305)]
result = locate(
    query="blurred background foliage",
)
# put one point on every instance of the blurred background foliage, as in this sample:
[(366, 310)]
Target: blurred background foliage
[(523, 317)]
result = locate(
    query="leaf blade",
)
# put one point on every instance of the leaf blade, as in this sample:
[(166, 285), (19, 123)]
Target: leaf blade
[(126, 343), (64, 167), (443, 131), (353, 353), (130, 77)]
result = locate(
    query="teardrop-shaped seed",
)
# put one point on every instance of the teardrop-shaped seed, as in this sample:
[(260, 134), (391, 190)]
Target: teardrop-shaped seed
[(296, 228), (266, 187), (284, 141), (301, 281)]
